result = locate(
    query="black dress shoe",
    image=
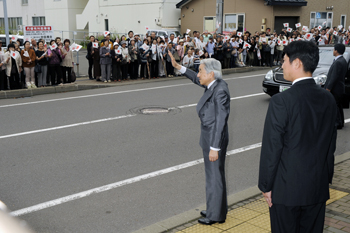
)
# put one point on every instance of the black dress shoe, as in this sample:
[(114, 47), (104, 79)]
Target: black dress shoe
[(207, 221), (204, 213)]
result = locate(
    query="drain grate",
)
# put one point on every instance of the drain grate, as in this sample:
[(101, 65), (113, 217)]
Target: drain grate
[(154, 110)]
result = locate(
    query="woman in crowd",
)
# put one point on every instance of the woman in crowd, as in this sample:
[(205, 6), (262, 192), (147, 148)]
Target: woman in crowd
[(201, 44), (116, 60), (41, 60), (13, 67), (125, 60), (68, 63), (134, 63), (3, 78), (169, 67), (122, 38), (161, 60), (154, 63), (250, 53), (28, 63), (244, 54), (96, 57), (144, 54), (106, 62), (55, 59)]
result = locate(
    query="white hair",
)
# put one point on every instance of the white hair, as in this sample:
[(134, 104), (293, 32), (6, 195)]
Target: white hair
[(212, 65)]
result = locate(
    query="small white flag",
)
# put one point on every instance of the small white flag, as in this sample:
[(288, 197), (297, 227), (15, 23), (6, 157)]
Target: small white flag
[(26, 54), (147, 28), (188, 31), (298, 25), (106, 33), (201, 52), (54, 46), (305, 29), (286, 25), (95, 45), (308, 36), (289, 29), (335, 33), (319, 27), (239, 34)]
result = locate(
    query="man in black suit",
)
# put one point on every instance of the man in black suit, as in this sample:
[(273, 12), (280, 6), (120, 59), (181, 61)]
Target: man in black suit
[(213, 110), (297, 154), (336, 81), (89, 56)]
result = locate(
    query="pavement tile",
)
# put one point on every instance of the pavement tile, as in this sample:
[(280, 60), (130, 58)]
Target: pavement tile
[(229, 223), (202, 229), (335, 230), (248, 228)]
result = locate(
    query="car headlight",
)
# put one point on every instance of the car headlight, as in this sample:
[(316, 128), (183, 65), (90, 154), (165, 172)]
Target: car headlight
[(320, 79), (269, 75)]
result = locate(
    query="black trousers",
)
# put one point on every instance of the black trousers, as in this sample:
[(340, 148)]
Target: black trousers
[(340, 113), (124, 71), (3, 80), (91, 64), (14, 81), (154, 69), (64, 74), (134, 69), (56, 74), (169, 68), (144, 70), (297, 219), (116, 71), (266, 58)]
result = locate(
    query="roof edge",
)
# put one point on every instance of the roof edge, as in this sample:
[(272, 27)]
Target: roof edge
[(182, 3)]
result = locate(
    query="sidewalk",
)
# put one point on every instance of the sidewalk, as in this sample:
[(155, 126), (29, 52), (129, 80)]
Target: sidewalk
[(83, 83), (252, 214)]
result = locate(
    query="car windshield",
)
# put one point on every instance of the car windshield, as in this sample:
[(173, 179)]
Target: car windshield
[(326, 57)]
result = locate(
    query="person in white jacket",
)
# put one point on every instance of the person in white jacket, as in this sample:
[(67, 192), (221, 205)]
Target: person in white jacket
[(188, 59), (272, 45), (13, 62)]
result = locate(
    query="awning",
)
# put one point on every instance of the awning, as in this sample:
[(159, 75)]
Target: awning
[(286, 2)]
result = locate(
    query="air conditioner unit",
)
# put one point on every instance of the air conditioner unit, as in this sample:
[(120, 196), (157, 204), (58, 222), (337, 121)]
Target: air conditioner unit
[(263, 28), (159, 21)]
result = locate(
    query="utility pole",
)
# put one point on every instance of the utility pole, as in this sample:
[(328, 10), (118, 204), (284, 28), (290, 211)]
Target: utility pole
[(219, 15), (6, 24)]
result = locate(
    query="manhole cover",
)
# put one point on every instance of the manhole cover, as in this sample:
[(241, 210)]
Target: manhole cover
[(154, 110)]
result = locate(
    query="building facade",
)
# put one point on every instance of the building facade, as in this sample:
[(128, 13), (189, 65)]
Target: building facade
[(257, 15), (120, 16)]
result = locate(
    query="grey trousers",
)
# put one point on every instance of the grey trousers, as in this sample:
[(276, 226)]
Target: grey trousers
[(42, 76), (106, 72), (215, 186)]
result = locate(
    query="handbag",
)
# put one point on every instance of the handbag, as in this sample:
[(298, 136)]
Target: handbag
[(37, 68), (234, 52), (176, 56), (73, 76)]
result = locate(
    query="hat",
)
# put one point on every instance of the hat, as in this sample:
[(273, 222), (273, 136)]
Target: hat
[(181, 41), (165, 36), (115, 43), (123, 42), (211, 37), (137, 34)]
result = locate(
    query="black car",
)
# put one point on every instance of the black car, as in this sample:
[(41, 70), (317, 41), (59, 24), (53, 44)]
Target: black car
[(275, 83)]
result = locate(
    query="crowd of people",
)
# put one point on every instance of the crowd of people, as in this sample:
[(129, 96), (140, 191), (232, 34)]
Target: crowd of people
[(36, 65), (132, 57)]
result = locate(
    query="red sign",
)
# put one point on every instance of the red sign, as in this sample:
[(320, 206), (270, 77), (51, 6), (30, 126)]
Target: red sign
[(38, 28)]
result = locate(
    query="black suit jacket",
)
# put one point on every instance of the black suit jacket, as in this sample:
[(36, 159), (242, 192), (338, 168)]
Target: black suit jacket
[(297, 154), (336, 77), (213, 110)]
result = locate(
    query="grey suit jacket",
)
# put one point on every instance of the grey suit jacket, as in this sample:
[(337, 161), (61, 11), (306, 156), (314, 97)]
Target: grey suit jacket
[(213, 110)]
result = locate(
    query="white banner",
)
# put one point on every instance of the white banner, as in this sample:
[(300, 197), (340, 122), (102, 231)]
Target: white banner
[(38, 32)]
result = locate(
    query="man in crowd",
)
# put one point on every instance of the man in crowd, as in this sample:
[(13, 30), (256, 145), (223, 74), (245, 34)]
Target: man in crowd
[(206, 36), (89, 56), (34, 44), (335, 83), (108, 38), (297, 154)]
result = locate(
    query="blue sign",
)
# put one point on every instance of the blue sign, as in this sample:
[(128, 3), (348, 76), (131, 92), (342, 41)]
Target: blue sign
[(318, 15)]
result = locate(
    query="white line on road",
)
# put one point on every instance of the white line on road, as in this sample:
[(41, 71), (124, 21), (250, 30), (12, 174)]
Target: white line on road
[(66, 126), (104, 188), (103, 120), (113, 93)]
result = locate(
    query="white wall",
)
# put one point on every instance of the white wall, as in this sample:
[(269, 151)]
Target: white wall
[(16, 9), (125, 15)]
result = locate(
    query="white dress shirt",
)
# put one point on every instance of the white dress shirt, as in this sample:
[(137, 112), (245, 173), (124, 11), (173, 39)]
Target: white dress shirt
[(300, 79)]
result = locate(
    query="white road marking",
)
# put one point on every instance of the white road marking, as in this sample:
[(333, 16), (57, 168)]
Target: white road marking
[(347, 121), (104, 188), (66, 126), (113, 93), (103, 120)]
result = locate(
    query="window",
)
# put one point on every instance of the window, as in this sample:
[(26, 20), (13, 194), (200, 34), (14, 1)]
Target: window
[(106, 25), (24, 2), (209, 24), (234, 22), (343, 21), (13, 23), (318, 18), (39, 21)]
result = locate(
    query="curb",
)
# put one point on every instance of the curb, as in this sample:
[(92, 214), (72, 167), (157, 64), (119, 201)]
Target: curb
[(192, 215), (22, 93)]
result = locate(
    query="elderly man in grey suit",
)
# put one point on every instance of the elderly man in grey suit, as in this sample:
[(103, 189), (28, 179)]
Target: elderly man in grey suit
[(213, 110)]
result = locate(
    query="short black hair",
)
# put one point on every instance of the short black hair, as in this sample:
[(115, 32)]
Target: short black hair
[(66, 40), (10, 46), (130, 32), (51, 41), (306, 51), (340, 48), (92, 36)]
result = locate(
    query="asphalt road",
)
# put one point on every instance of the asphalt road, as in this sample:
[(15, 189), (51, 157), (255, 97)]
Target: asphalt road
[(57, 145)]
